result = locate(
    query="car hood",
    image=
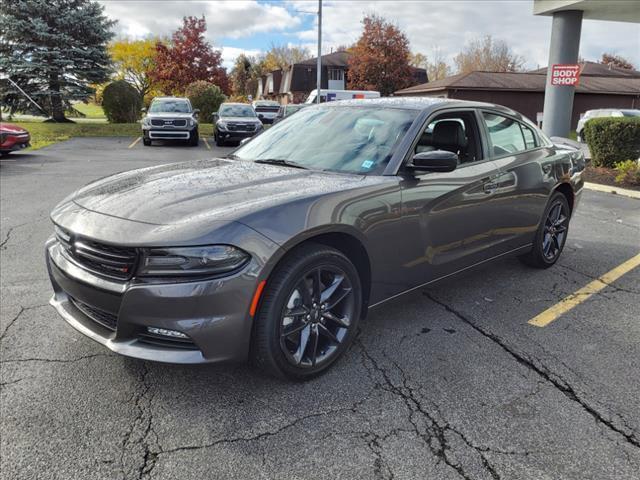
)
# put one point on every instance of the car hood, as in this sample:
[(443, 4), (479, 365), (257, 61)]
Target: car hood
[(169, 115), (11, 128), (198, 191), (240, 119)]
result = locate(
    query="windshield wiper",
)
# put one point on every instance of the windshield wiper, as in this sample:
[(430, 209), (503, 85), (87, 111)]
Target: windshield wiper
[(279, 161)]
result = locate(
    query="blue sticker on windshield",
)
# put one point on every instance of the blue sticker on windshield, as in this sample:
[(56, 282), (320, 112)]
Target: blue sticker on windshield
[(367, 164)]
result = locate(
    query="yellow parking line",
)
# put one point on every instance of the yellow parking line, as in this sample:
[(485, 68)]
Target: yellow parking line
[(135, 142), (576, 298), (206, 143)]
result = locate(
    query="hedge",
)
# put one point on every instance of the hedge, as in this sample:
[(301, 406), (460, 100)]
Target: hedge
[(612, 140), (121, 102), (206, 97)]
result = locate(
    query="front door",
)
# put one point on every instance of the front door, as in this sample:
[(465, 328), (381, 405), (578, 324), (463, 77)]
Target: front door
[(450, 218)]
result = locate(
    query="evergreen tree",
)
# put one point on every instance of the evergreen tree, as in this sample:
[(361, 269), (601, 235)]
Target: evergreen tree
[(53, 49)]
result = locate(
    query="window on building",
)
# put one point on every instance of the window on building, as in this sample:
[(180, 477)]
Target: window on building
[(336, 74)]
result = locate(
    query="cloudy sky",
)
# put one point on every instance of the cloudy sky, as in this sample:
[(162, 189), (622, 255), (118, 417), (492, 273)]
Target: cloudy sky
[(251, 26)]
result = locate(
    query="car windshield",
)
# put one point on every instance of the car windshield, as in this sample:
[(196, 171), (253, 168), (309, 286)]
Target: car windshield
[(339, 138), (170, 106), (236, 111)]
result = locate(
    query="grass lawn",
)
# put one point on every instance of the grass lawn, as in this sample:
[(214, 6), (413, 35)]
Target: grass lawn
[(43, 134), (91, 110)]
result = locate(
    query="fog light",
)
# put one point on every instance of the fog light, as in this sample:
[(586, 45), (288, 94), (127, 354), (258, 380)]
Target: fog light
[(166, 333)]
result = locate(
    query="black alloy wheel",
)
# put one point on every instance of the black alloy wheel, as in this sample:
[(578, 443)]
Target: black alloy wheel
[(309, 313), (317, 317), (551, 234)]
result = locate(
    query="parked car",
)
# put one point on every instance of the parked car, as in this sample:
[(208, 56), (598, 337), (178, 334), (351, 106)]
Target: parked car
[(288, 110), (13, 138), (170, 118), (275, 253), (235, 122), (266, 110), (603, 112), (327, 95)]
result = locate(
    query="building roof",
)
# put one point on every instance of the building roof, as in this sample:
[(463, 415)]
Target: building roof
[(524, 82), (335, 59), (599, 69)]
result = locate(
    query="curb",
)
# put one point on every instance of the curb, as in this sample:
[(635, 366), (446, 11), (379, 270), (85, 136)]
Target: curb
[(615, 190)]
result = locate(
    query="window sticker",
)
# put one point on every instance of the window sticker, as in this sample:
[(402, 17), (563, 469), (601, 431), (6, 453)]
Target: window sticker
[(367, 164)]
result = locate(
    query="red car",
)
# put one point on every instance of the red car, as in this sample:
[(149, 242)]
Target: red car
[(12, 138)]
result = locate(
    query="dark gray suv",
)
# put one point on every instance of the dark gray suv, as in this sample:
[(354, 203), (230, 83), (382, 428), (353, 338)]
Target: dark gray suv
[(277, 252), (170, 118)]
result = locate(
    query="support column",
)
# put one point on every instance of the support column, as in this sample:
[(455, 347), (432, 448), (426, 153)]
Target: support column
[(558, 100)]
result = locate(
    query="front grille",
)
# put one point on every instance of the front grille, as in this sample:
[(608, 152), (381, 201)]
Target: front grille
[(160, 122), (105, 260), (169, 342), (267, 109), (241, 127), (105, 319)]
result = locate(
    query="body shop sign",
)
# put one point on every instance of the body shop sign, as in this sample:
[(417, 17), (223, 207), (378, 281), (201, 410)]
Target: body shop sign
[(565, 75)]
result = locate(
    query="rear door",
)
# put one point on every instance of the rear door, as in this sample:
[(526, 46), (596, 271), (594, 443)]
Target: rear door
[(525, 179)]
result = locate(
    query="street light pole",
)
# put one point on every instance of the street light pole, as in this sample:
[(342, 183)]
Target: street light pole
[(319, 66)]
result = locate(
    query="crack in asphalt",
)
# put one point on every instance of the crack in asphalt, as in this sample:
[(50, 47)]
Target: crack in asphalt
[(592, 277), (437, 433), (57, 360), (562, 385), (13, 320), (3, 244)]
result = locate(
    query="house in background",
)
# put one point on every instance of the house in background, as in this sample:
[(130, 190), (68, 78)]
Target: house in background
[(600, 86), (294, 83)]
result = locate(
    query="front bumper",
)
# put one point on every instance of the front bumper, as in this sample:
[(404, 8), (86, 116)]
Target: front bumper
[(235, 135), (167, 134), (213, 313)]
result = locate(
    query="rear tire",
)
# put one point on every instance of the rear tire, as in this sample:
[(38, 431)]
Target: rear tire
[(551, 234), (315, 294)]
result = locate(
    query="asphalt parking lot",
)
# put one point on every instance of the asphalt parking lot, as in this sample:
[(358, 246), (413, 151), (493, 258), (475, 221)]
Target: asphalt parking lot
[(450, 382)]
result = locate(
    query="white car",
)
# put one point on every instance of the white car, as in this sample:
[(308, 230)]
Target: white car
[(328, 95), (266, 110), (603, 112)]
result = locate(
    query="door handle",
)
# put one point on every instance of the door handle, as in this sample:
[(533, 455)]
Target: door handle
[(490, 187)]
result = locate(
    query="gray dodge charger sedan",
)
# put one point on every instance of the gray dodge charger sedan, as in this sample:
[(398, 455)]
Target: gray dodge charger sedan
[(277, 252)]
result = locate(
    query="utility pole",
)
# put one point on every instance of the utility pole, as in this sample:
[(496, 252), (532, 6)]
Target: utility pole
[(319, 66)]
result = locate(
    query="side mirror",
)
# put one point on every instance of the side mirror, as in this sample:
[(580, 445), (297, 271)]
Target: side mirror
[(215, 117), (196, 111), (434, 161), (143, 110)]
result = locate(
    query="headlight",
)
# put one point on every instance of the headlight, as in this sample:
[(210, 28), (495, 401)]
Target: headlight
[(259, 126), (191, 261), (146, 121), (222, 125), (191, 122)]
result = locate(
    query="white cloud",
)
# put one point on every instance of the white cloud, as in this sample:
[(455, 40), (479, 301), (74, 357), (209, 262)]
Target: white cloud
[(225, 18), (449, 25), (229, 54)]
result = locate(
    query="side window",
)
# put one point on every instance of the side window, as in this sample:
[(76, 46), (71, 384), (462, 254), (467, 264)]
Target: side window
[(455, 132), (529, 137), (505, 134)]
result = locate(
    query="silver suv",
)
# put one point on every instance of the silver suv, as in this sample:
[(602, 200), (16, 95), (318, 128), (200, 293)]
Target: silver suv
[(170, 118)]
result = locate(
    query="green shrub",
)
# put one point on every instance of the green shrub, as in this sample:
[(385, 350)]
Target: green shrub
[(628, 172), (613, 140), (121, 102), (205, 96)]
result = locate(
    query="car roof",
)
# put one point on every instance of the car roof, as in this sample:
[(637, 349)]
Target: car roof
[(235, 103), (419, 103)]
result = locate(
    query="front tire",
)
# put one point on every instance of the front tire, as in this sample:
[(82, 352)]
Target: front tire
[(551, 234), (219, 141), (146, 142), (308, 315), (194, 139)]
